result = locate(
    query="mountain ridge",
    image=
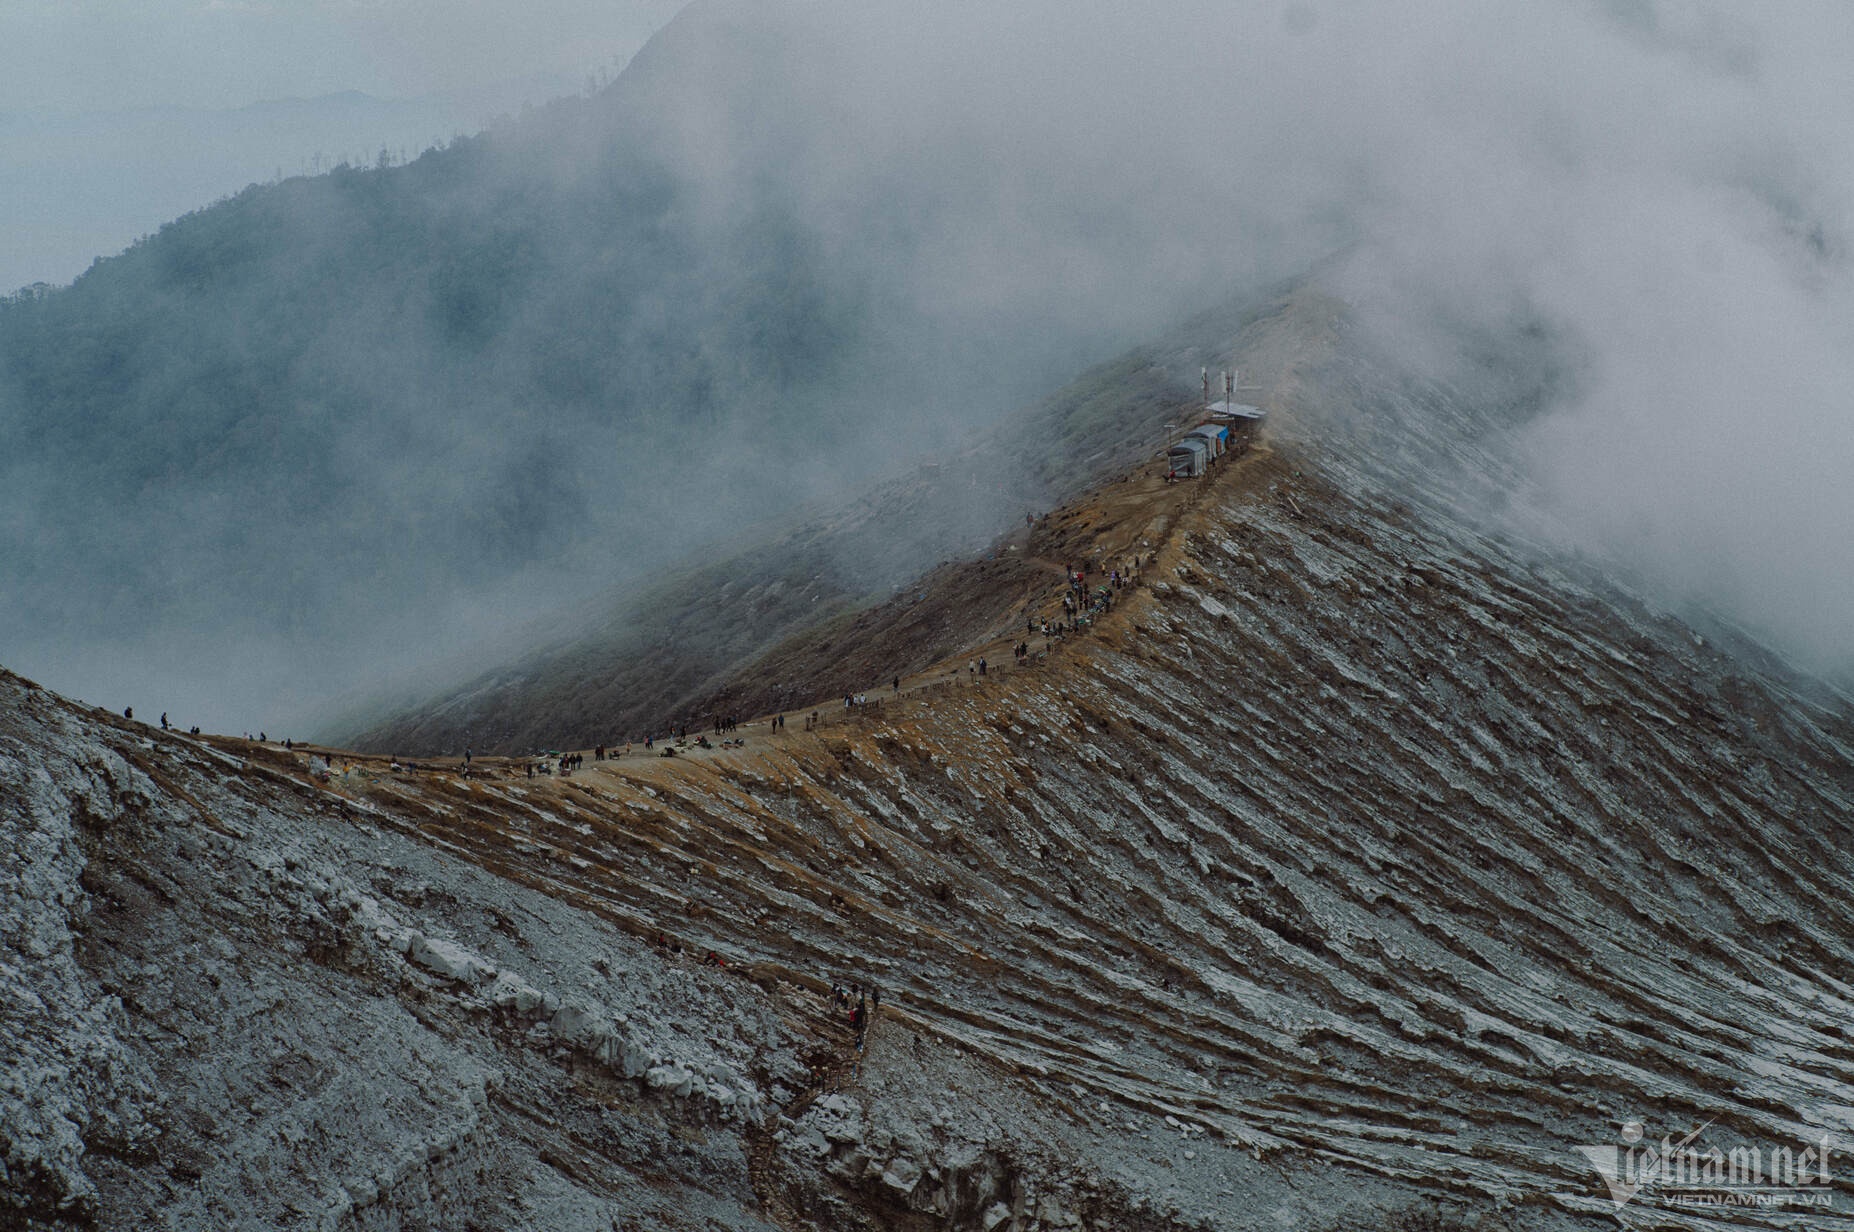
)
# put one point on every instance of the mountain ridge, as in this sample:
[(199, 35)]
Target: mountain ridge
[(1106, 422), (1330, 879)]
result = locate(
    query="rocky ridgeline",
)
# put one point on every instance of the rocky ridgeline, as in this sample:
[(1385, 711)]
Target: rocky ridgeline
[(1362, 869), (1366, 862)]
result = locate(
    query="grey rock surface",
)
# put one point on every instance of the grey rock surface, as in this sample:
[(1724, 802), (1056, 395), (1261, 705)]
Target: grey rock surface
[(227, 1007)]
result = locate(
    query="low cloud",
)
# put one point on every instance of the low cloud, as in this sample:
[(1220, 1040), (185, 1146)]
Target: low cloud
[(961, 206)]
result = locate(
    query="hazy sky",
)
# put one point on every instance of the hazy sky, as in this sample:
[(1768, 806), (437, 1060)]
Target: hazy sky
[(119, 115), (111, 54)]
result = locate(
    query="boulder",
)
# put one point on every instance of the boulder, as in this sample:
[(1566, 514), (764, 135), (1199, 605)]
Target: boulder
[(672, 1077), (851, 1165), (582, 1027), (902, 1174), (515, 994), (453, 962), (633, 1060)]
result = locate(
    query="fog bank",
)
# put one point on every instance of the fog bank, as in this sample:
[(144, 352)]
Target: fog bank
[(841, 235)]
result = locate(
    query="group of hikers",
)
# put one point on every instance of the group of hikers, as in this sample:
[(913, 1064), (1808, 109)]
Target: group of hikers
[(191, 731), (857, 1004), (128, 712), (1082, 604), (563, 764)]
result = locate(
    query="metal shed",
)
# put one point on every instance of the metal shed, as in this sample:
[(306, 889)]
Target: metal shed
[(1216, 435), (1189, 457)]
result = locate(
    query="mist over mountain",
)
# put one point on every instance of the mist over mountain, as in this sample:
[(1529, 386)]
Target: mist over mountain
[(341, 425), (1420, 817), (82, 184), (331, 423)]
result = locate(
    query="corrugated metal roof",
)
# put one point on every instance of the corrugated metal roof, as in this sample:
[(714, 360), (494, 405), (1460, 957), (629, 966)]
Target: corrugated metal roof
[(1237, 410)]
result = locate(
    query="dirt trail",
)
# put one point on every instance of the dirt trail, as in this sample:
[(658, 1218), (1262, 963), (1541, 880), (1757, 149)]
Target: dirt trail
[(1121, 524), (1127, 524)]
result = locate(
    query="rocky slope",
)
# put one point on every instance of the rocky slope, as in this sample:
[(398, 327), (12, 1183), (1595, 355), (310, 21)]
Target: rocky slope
[(236, 1002), (1355, 871)]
